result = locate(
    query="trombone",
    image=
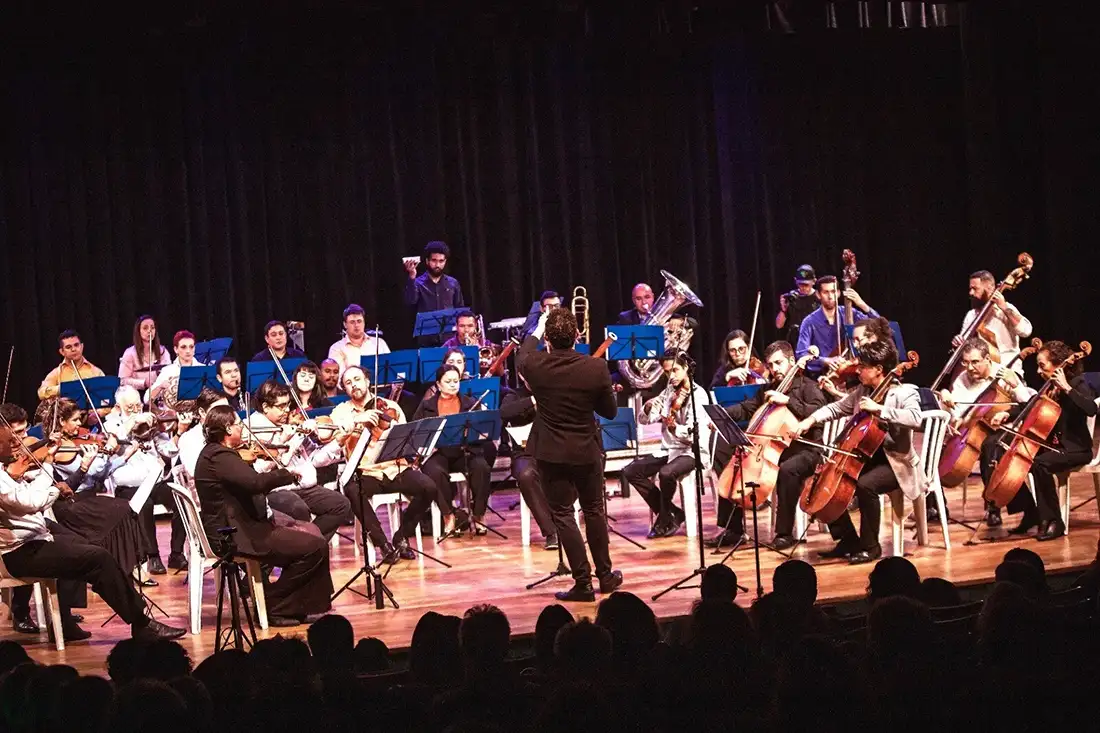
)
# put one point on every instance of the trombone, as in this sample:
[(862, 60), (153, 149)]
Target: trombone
[(579, 306)]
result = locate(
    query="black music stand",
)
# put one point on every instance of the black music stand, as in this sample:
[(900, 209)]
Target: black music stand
[(457, 431), (431, 325)]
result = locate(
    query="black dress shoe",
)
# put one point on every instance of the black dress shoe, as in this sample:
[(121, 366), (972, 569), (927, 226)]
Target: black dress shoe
[(77, 618), (284, 622), (24, 625), (611, 582), (154, 630), (156, 567), (389, 554), (658, 528), (993, 518), (672, 526), (551, 542), (71, 632), (725, 538), (1026, 524), (784, 542), (401, 545), (1052, 530), (580, 592), (177, 561), (862, 557), (932, 514), (843, 549)]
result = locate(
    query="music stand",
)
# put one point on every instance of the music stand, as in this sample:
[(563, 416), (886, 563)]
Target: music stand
[(631, 343), (618, 433), (433, 324), (397, 366), (101, 392), (474, 388), (210, 352), (459, 430), (193, 379), (261, 371), (729, 396)]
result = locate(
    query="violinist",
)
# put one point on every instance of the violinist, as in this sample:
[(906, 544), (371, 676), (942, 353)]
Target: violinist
[(1071, 436), (820, 328), (447, 401), (796, 463), (33, 546), (228, 374), (192, 441), (306, 379), (270, 424), (895, 465), (330, 378), (673, 410), (183, 343), (71, 348), (1006, 323), (140, 363), (275, 338), (357, 344), (145, 448), (735, 369), (361, 414), (796, 304)]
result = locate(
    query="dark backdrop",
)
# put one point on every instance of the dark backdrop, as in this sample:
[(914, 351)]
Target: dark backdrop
[(223, 173)]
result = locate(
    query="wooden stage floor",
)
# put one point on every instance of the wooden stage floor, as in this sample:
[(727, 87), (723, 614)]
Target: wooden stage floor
[(491, 570)]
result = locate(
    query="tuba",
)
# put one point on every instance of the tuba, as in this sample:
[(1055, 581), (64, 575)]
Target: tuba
[(644, 373), (579, 306)]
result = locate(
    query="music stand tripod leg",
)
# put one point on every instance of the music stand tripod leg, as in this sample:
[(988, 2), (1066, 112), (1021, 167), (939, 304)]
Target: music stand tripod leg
[(375, 586), (561, 570)]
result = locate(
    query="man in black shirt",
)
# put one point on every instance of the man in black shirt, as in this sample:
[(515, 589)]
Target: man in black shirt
[(228, 373), (432, 291), (797, 304), (275, 337)]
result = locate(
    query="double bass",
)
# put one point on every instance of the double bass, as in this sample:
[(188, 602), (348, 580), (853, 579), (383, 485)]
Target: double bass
[(978, 326), (829, 492), (1029, 432), (963, 449), (769, 430)]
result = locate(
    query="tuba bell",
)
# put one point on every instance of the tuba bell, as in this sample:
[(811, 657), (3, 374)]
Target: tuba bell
[(644, 373)]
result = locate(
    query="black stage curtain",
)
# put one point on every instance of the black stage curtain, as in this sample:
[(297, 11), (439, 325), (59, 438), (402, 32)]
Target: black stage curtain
[(222, 175)]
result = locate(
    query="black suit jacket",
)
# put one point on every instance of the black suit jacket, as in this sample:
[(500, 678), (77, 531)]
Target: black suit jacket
[(630, 318), (805, 397), (1071, 432), (232, 495), (568, 387), (292, 352)]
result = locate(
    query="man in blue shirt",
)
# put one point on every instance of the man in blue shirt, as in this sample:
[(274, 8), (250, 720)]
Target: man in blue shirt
[(820, 327), (432, 291)]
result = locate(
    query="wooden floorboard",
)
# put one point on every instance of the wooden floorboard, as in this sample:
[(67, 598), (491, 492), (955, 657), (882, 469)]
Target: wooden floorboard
[(492, 570)]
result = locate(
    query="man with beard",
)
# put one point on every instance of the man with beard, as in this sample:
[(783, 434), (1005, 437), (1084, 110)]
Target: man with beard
[(432, 291), (228, 373), (1006, 323), (330, 377)]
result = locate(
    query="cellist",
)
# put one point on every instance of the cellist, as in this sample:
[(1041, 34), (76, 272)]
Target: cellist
[(797, 462), (895, 465), (1071, 436)]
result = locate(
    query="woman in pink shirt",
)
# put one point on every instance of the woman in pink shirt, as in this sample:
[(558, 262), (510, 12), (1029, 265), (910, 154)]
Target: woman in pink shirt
[(140, 363)]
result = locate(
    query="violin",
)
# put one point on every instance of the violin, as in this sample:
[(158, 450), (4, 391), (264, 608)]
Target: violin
[(1029, 432), (828, 493), (769, 430), (679, 399), (257, 449), (389, 414), (963, 449), (757, 373), (837, 380)]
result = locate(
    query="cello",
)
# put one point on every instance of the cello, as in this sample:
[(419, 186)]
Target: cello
[(978, 326), (769, 430), (1029, 432), (963, 449), (828, 493)]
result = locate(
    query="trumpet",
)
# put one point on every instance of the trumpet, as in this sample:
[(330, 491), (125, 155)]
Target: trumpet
[(579, 306)]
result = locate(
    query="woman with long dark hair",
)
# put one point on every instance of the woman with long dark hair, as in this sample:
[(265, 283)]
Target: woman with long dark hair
[(140, 363)]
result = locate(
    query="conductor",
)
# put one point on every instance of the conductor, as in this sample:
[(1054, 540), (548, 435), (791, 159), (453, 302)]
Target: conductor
[(567, 388)]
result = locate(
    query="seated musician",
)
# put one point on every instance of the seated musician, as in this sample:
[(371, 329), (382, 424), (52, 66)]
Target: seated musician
[(357, 344), (271, 426), (447, 401), (453, 358), (517, 409), (140, 363), (673, 410), (734, 367), (228, 373), (466, 333), (895, 465), (275, 337), (306, 379), (1071, 437), (642, 297), (978, 372), (797, 462), (358, 415), (192, 441), (145, 448), (840, 377), (330, 378), (232, 494), (33, 546), (71, 349), (183, 343), (820, 328)]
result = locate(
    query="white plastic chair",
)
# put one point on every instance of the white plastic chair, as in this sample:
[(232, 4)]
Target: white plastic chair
[(45, 599), (931, 436), (392, 504), (201, 556)]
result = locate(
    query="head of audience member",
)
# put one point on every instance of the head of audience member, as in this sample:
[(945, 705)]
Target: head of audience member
[(1029, 557), (900, 631), (561, 329), (228, 373), (371, 656), (633, 627), (123, 661), (549, 299), (939, 593), (435, 258), (42, 688), (796, 580), (484, 635), (163, 660), (583, 651), (780, 623), (227, 675), (721, 636), (331, 640), (330, 376), (183, 343), (70, 346), (355, 323), (80, 705), (145, 340), (197, 700), (719, 583), (642, 297), (1024, 575), (893, 576), (273, 401), (143, 706), (283, 665), (1010, 627), (435, 655), (12, 655), (549, 622)]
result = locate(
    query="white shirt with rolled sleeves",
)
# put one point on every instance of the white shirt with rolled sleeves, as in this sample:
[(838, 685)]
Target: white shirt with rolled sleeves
[(1007, 336)]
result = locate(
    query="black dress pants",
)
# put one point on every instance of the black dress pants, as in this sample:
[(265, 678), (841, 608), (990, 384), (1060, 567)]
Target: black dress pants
[(77, 594), (305, 584), (161, 494), (564, 484), (525, 471), (418, 488), (640, 473), (876, 479), (795, 466), (1046, 464), (326, 508), (447, 460)]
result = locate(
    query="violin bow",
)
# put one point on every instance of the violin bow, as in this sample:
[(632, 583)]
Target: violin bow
[(293, 387), (87, 396), (752, 333), (11, 356)]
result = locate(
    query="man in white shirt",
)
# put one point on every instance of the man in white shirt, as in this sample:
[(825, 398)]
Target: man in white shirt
[(357, 343), (192, 441), (1005, 323), (183, 343)]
